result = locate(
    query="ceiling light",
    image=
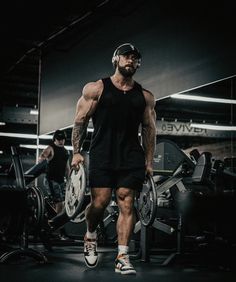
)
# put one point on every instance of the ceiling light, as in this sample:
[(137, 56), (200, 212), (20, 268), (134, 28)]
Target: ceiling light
[(23, 135), (34, 112), (203, 99), (213, 127), (45, 136), (89, 129), (70, 148)]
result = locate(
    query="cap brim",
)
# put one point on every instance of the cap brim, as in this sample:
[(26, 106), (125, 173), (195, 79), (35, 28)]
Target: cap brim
[(127, 50)]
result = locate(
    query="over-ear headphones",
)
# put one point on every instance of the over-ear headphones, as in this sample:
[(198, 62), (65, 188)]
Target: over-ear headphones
[(123, 49), (114, 59)]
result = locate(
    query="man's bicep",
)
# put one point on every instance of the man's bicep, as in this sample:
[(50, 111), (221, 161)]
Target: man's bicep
[(83, 109), (149, 113), (86, 105), (148, 116)]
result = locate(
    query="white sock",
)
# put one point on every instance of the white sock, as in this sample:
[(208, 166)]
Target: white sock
[(91, 235), (122, 249)]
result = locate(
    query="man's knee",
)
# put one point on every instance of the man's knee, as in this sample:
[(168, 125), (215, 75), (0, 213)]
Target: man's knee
[(100, 203), (100, 198), (125, 195), (125, 200)]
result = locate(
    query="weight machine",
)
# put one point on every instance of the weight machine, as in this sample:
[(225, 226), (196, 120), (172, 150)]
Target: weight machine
[(27, 210), (194, 195)]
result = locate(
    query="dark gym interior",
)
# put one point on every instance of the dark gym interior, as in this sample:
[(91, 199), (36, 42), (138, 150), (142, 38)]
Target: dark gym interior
[(49, 50)]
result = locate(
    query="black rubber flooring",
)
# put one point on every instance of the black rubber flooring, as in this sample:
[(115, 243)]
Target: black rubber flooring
[(66, 264)]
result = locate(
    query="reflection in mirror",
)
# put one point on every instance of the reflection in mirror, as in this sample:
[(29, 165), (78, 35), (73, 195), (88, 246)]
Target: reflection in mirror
[(168, 157), (201, 119)]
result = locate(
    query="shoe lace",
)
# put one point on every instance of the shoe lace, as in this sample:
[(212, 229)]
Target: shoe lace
[(90, 247), (125, 259)]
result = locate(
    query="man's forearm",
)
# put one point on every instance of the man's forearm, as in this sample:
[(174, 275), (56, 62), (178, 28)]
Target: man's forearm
[(149, 142), (79, 134)]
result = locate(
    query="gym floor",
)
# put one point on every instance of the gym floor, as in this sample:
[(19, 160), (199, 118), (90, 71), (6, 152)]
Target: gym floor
[(65, 263)]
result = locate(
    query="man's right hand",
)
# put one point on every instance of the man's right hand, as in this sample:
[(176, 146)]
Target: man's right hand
[(76, 160)]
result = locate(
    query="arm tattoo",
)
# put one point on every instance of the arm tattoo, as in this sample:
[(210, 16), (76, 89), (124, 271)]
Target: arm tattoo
[(79, 134)]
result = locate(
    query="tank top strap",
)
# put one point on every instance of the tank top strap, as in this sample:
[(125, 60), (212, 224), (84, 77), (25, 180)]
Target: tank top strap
[(106, 82)]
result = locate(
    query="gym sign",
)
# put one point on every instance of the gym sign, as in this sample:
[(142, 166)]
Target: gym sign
[(184, 129)]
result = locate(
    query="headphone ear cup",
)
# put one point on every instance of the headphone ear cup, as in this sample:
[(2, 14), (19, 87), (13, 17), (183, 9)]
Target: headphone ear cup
[(139, 63), (115, 59)]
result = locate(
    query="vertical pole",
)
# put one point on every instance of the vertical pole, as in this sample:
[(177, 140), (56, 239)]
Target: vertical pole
[(231, 121), (39, 101), (144, 244)]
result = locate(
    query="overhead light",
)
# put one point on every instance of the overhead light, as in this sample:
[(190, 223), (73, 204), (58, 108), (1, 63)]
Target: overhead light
[(33, 146), (23, 135), (1, 152), (34, 112), (2, 123), (18, 135), (203, 99), (213, 127), (45, 136), (70, 148), (89, 129)]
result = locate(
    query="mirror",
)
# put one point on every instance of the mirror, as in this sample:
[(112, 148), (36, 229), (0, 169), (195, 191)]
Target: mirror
[(201, 119)]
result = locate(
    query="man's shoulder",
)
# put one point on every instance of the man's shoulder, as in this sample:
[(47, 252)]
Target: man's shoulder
[(149, 97), (147, 92), (93, 89), (93, 85)]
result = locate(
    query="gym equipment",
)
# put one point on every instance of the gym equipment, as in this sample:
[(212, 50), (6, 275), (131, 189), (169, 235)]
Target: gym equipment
[(170, 166), (168, 156), (35, 171), (28, 176), (31, 211), (35, 213), (75, 192), (147, 202), (195, 200), (36, 209), (148, 199)]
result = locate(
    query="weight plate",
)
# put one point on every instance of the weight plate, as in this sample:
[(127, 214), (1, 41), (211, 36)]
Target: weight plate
[(147, 202), (36, 206), (75, 192)]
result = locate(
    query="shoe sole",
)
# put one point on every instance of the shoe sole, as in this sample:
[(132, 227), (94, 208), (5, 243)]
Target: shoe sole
[(90, 265), (127, 272)]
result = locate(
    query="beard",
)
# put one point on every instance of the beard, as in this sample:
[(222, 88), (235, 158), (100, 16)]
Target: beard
[(127, 72)]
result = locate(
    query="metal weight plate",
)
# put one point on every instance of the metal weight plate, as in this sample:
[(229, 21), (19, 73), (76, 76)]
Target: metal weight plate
[(79, 218), (75, 192), (36, 206), (147, 202)]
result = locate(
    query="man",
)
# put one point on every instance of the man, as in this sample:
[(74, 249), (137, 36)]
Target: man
[(118, 105), (57, 168)]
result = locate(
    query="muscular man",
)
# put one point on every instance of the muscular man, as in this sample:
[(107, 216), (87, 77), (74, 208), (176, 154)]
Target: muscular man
[(118, 105), (57, 168)]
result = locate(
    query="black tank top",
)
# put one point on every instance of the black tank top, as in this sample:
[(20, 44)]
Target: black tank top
[(57, 166), (115, 144)]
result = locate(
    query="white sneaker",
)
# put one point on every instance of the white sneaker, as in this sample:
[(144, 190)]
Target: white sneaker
[(90, 252), (123, 265)]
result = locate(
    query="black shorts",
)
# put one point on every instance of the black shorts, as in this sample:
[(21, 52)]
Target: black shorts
[(132, 178)]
